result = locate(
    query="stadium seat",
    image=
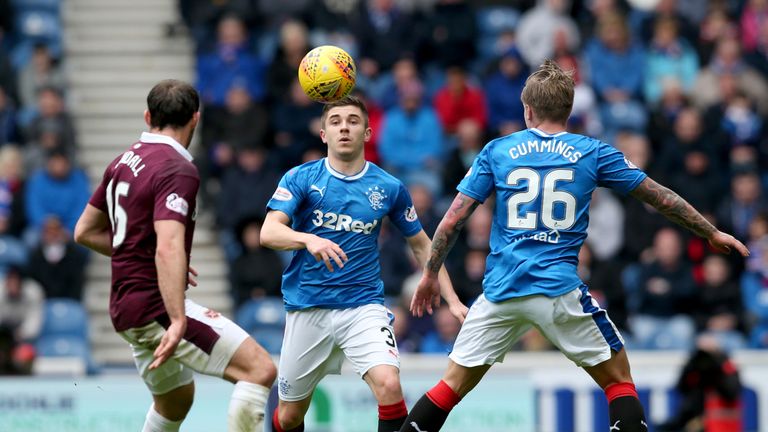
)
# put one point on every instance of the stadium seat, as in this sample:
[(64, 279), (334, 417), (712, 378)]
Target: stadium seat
[(62, 346), (52, 6), (270, 338), (261, 313), (64, 317)]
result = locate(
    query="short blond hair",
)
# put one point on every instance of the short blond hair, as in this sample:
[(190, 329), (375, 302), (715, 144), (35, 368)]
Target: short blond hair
[(549, 92)]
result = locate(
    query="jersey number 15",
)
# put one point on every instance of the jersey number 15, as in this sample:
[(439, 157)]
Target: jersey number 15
[(549, 196), (117, 215)]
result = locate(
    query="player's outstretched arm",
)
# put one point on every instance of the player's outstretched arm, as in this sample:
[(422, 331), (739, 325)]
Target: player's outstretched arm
[(92, 230), (276, 233), (445, 237), (420, 245), (679, 211), (172, 267)]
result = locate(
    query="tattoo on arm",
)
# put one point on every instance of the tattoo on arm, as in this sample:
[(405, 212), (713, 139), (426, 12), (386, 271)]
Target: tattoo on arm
[(673, 207), (448, 230)]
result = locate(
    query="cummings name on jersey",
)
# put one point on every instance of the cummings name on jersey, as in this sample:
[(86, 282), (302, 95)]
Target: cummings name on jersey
[(545, 146)]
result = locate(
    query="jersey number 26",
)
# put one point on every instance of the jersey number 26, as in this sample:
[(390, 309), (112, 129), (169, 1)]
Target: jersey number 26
[(549, 196)]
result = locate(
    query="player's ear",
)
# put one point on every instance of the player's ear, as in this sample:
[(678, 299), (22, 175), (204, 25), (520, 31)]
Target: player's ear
[(367, 135), (147, 118), (322, 136)]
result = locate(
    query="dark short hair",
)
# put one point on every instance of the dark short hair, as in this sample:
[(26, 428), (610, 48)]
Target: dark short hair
[(172, 103), (345, 101)]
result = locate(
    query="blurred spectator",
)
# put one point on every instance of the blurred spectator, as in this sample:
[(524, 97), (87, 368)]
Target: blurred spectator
[(728, 60), (605, 235), (52, 126), (459, 100), (245, 189), (754, 283), (201, 16), (670, 57), (668, 10), (407, 341), (537, 27), (469, 135), (442, 338), (605, 284), (468, 283), (59, 190), (741, 124), (503, 88), (58, 263), (584, 117), (744, 203), (663, 114), (21, 318), (720, 313), (12, 183), (230, 63), (386, 91), (616, 63), (297, 127), (452, 33), (8, 125), (294, 44), (8, 81), (384, 33), (238, 124), (758, 58), (42, 71), (12, 249), (424, 203), (688, 133), (698, 183), (256, 272), (411, 142), (664, 292), (753, 17), (710, 390), (715, 26)]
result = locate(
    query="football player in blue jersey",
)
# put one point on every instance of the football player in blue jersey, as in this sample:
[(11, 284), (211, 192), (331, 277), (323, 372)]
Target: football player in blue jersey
[(543, 178), (329, 212)]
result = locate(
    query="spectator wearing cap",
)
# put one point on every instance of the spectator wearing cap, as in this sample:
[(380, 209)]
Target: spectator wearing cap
[(59, 190)]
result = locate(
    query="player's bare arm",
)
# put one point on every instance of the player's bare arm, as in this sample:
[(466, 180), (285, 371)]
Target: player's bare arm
[(92, 230), (679, 211), (277, 234), (420, 245), (172, 267), (445, 237)]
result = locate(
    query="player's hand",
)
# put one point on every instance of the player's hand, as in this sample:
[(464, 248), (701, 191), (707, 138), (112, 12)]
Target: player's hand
[(427, 294), (459, 310), (326, 251), (192, 274), (724, 243), (168, 343)]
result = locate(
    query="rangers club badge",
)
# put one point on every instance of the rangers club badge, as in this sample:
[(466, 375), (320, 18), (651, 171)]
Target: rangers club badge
[(376, 197)]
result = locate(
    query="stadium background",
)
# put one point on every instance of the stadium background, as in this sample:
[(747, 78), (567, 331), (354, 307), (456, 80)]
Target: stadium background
[(680, 88)]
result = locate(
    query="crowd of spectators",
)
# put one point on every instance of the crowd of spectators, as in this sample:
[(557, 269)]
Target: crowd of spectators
[(42, 188), (681, 89)]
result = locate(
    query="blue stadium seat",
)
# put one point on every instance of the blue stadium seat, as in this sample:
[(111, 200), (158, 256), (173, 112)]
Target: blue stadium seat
[(261, 313), (38, 25), (53, 6), (62, 346), (64, 317), (270, 338)]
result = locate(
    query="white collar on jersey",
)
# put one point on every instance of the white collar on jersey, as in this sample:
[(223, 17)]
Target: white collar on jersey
[(546, 135), (153, 138), (346, 177)]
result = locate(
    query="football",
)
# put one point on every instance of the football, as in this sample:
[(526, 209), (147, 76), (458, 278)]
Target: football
[(327, 73)]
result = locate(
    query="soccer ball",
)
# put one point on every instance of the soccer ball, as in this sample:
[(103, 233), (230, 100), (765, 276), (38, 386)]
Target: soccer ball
[(327, 73)]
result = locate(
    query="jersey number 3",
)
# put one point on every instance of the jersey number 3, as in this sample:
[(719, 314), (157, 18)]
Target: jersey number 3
[(549, 196), (117, 215)]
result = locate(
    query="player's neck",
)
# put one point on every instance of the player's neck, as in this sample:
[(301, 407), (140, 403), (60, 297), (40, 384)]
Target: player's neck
[(348, 168), (180, 135), (549, 127)]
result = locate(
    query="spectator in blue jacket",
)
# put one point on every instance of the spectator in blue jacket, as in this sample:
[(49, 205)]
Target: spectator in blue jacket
[(670, 57), (502, 91)]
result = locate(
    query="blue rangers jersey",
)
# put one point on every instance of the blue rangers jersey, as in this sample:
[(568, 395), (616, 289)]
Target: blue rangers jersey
[(543, 186), (347, 210)]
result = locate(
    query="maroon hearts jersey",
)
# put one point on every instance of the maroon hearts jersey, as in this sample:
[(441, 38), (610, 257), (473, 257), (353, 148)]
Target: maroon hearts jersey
[(154, 180)]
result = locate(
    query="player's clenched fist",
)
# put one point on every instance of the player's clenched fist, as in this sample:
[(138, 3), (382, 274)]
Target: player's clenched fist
[(326, 250)]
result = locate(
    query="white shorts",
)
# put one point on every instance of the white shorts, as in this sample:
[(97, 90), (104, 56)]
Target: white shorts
[(573, 322), (317, 340), (207, 347)]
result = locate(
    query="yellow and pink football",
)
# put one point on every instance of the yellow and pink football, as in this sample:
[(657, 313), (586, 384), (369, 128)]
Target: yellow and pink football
[(327, 73)]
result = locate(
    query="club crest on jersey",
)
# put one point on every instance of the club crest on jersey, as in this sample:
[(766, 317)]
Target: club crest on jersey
[(376, 197), (410, 214), (177, 204)]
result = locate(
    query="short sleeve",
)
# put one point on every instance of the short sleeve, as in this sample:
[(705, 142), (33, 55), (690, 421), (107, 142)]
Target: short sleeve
[(289, 194), (175, 196), (616, 171), (403, 214), (478, 183), (99, 197)]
